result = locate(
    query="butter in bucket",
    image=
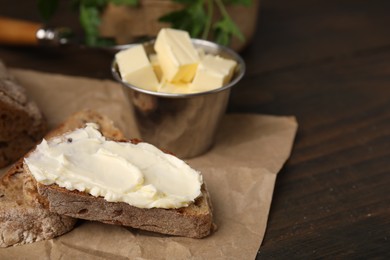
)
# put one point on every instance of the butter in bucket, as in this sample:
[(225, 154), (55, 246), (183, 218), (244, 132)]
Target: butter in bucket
[(177, 66)]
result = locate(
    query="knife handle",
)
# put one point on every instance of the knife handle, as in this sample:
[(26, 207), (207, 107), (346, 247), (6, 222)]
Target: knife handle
[(17, 32)]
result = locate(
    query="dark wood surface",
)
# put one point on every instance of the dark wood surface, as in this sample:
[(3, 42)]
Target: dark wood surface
[(328, 63)]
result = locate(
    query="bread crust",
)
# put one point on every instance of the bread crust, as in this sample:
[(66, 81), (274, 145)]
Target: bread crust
[(22, 124), (194, 221), (24, 214)]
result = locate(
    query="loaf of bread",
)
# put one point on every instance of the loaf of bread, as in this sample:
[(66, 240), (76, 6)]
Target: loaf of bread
[(21, 122), (195, 220)]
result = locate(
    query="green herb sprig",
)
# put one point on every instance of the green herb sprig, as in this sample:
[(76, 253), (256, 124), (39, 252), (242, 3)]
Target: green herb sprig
[(89, 15), (196, 17)]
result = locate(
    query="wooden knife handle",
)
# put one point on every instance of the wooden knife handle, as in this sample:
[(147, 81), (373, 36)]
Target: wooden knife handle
[(18, 32)]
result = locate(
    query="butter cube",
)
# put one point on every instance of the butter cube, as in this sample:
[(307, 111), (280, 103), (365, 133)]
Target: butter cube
[(174, 88), (135, 68), (156, 66), (213, 72), (177, 56)]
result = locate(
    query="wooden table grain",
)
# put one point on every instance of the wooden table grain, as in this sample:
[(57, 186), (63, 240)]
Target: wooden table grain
[(328, 63)]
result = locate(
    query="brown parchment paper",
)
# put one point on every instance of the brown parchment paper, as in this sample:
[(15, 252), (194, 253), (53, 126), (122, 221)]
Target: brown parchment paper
[(240, 171)]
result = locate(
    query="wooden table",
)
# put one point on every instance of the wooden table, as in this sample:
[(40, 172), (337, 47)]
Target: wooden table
[(327, 63)]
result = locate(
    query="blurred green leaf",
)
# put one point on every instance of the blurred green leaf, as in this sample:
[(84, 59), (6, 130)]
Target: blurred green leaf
[(100, 41), (238, 2), (191, 18), (124, 2), (187, 2), (196, 17), (173, 17), (199, 19), (225, 29), (90, 21), (93, 3), (47, 8)]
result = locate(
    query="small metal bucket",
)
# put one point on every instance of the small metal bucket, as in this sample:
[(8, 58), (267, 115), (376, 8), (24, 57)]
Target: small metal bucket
[(184, 124)]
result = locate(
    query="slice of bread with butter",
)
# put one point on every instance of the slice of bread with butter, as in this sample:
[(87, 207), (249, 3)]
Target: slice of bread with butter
[(24, 214), (86, 171)]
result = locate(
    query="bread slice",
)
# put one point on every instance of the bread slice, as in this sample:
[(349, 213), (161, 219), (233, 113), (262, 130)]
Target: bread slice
[(194, 221), (24, 214), (21, 122)]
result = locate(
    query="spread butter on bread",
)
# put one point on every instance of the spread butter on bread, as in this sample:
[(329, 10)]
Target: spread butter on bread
[(161, 194)]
